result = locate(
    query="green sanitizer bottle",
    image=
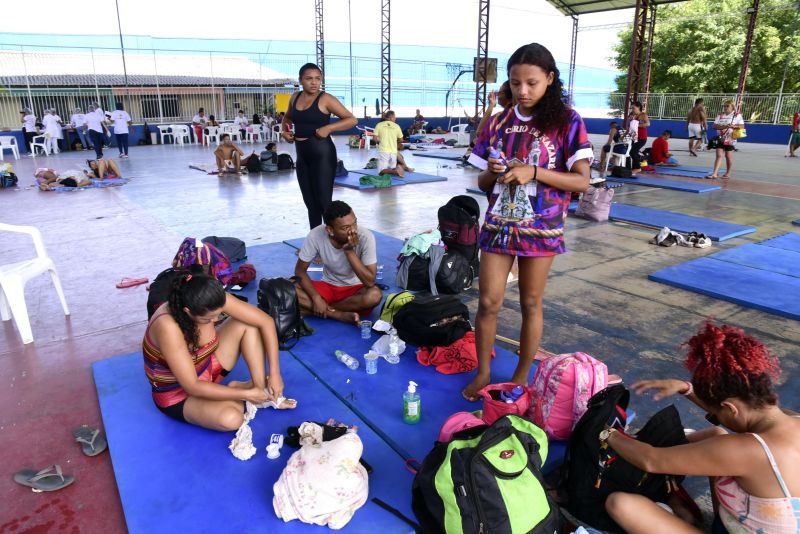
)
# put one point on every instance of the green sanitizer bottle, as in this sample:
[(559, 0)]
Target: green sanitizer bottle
[(411, 404)]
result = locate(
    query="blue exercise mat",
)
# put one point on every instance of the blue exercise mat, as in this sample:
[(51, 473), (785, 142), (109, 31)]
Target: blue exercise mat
[(790, 241), (352, 180), (475, 191), (378, 398), (663, 183), (96, 184), (747, 286), (680, 222), (691, 172), (412, 177), (175, 477), (758, 256), (440, 154)]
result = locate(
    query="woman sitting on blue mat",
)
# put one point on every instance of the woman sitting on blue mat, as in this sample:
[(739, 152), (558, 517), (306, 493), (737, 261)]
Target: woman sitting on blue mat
[(103, 169), (533, 156), (186, 355)]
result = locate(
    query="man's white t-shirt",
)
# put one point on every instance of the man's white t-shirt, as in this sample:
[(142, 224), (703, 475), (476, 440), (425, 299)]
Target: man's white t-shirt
[(241, 122), (94, 121), (29, 121), (197, 119), (78, 119), (51, 125), (338, 271), (120, 118)]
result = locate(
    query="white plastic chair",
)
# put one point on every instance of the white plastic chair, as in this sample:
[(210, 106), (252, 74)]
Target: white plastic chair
[(462, 136), (183, 135), (14, 276), (166, 131), (43, 142), (618, 159), (366, 136), (210, 133), (254, 134), (9, 142), (232, 131)]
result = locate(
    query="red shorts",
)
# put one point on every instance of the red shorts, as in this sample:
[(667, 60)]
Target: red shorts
[(333, 294)]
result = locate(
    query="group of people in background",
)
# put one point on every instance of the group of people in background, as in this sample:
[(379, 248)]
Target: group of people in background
[(90, 127)]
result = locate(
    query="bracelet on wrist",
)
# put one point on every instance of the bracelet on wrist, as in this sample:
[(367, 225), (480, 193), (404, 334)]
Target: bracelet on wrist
[(689, 390)]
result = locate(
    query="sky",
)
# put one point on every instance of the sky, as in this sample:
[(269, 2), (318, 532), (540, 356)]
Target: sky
[(452, 23)]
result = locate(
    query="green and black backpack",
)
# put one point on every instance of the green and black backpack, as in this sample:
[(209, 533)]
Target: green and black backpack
[(393, 303), (486, 480)]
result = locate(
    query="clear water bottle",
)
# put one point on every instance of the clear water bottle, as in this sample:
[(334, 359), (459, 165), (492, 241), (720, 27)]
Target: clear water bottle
[(394, 347), (346, 359)]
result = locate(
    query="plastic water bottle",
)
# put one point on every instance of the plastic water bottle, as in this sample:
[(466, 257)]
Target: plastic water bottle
[(379, 273), (495, 153), (394, 347), (346, 359), (511, 396)]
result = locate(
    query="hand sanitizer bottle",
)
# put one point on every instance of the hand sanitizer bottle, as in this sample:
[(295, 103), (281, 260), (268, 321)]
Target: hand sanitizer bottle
[(411, 404)]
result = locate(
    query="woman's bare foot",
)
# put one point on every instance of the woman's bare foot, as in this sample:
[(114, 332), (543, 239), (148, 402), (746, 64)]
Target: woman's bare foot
[(408, 169), (345, 317), (726, 176), (471, 391)]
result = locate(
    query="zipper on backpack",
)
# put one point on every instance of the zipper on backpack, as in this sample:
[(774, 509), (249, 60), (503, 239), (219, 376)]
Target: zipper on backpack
[(474, 497)]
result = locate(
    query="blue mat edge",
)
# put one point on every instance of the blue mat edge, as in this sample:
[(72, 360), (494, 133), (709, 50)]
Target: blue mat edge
[(659, 276), (745, 229), (686, 189)]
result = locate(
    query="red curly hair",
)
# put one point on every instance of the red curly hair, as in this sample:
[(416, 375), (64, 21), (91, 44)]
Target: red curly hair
[(725, 362)]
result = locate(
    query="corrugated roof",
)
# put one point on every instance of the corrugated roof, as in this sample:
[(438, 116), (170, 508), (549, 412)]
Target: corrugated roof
[(81, 68), (69, 80), (582, 7)]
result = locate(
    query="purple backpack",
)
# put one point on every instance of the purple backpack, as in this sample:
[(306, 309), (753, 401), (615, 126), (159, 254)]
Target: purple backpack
[(194, 252)]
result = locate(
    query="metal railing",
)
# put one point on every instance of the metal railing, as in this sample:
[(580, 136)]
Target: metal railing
[(767, 108), (170, 85)]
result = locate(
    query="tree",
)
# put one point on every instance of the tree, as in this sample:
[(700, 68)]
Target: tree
[(698, 47)]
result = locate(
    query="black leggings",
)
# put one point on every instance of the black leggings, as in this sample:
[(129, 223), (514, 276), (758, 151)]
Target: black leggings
[(636, 156), (316, 166), (122, 143)]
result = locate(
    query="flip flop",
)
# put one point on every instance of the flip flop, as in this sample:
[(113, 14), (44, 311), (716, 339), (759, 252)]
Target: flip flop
[(131, 282), (91, 441), (48, 479)]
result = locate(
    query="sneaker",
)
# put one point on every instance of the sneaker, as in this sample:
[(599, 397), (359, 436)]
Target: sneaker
[(703, 241)]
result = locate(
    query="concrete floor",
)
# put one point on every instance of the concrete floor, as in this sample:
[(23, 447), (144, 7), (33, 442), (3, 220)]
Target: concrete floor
[(598, 298)]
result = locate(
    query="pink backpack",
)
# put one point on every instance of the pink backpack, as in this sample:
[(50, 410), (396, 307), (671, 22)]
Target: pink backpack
[(561, 389)]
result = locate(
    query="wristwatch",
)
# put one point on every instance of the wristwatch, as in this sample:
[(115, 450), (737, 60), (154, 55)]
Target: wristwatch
[(605, 434)]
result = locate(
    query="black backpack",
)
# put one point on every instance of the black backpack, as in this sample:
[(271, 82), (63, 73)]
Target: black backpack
[(253, 163), (582, 464), (8, 180), (454, 275), (618, 171), (432, 320), (278, 297), (487, 479), (285, 162), (460, 227), (233, 247)]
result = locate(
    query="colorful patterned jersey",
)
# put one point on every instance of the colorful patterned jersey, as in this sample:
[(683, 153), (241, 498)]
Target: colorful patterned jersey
[(528, 220)]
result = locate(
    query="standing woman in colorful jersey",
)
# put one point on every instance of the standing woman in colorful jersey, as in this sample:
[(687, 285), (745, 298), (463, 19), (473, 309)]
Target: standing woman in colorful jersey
[(533, 156), (310, 112)]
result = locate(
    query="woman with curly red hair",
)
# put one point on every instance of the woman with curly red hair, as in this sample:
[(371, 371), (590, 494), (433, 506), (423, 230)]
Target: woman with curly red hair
[(755, 467)]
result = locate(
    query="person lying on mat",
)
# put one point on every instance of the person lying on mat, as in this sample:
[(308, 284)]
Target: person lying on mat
[(347, 290), (186, 355), (660, 154), (230, 157), (102, 169), (50, 178), (755, 468)]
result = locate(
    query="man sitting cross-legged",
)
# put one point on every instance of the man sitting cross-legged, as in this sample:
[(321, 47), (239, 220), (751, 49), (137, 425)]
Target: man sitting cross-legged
[(347, 290), (230, 157)]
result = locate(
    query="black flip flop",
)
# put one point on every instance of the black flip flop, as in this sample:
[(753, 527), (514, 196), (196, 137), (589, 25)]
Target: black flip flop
[(48, 479), (91, 441)]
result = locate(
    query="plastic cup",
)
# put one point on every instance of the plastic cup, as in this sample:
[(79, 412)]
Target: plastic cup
[(379, 274), (366, 327), (371, 363)]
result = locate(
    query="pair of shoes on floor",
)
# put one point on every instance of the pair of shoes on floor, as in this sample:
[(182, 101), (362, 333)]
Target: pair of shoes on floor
[(697, 240), (665, 238), (52, 478)]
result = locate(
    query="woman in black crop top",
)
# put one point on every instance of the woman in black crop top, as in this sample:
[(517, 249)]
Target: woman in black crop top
[(310, 112)]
